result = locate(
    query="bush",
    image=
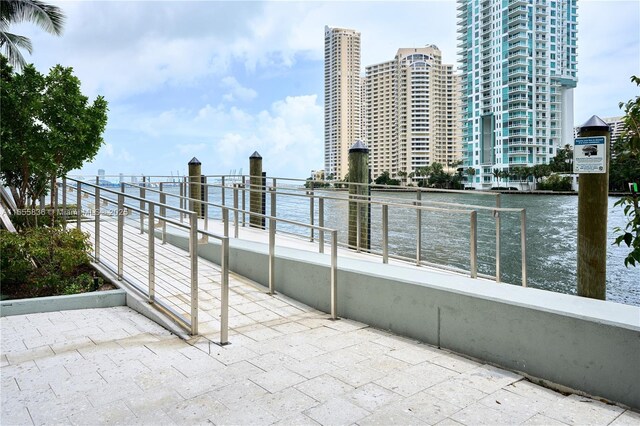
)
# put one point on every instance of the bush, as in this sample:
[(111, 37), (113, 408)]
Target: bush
[(44, 262), (556, 183)]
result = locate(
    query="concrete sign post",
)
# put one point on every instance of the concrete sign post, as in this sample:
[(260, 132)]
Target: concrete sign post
[(590, 159), (359, 211), (256, 203), (195, 185)]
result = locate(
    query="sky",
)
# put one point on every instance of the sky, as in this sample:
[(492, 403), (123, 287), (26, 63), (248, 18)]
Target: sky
[(219, 80)]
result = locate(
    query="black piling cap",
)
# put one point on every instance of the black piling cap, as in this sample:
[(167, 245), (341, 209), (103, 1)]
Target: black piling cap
[(594, 123), (359, 146), (255, 155), (194, 161)]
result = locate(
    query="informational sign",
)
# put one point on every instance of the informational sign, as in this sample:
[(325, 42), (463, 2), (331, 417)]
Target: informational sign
[(589, 155)]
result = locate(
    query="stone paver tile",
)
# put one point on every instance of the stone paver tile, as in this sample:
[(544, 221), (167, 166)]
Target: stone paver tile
[(201, 384), (152, 379), (239, 371), (575, 409), (394, 342), (337, 411), (346, 325), (263, 316), (313, 322), (42, 378), (426, 407), (238, 393), (84, 366), (231, 354), (200, 365), (384, 363), (101, 350), (277, 379), (371, 396), (246, 413), (627, 418), (299, 420), (430, 374), (289, 402), (455, 392), (534, 392), (195, 410), (480, 414), (448, 422), (29, 354), (72, 345), (540, 420), (116, 413), (153, 417), (323, 388), (75, 385), (312, 367), (302, 351), (390, 416), (3, 361), (344, 358), (455, 362), (513, 404), (415, 355), (370, 349), (112, 392), (402, 383), (290, 327), (58, 360), (356, 376), (271, 360), (17, 370), (152, 400), (488, 379), (131, 370), (15, 416), (54, 410)]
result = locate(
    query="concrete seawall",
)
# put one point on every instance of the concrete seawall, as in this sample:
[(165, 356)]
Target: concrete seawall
[(587, 345)]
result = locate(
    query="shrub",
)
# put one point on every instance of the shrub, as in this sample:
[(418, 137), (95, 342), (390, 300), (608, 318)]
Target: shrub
[(45, 261), (556, 183)]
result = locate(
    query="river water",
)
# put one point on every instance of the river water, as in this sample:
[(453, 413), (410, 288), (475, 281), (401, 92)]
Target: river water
[(551, 223)]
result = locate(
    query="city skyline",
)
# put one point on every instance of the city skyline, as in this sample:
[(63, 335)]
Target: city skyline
[(219, 80)]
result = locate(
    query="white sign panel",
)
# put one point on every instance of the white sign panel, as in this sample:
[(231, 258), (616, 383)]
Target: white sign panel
[(589, 155)]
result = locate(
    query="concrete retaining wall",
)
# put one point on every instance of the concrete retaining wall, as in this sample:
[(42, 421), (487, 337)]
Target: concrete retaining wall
[(97, 299), (588, 345)]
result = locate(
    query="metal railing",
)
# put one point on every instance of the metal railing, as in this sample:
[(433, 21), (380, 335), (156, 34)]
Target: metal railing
[(178, 298), (315, 208)]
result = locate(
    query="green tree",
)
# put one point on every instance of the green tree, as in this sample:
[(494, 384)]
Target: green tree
[(628, 152), (49, 18), (385, 179), (48, 128), (563, 161)]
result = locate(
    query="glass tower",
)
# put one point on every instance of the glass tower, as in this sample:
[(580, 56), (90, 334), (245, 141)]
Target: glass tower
[(518, 60)]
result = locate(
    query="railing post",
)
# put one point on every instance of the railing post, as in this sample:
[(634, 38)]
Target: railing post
[(151, 249), (224, 289), (223, 193), (311, 211), (120, 213), (235, 210), (497, 216), (523, 245), (244, 204), (334, 274), (79, 203), (96, 248), (385, 233), (64, 202), (163, 213), (473, 241), (143, 192), (321, 224), (419, 226), (272, 244), (193, 252), (183, 204), (225, 221), (358, 224), (205, 202)]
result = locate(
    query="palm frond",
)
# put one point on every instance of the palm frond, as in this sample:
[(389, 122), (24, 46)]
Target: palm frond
[(48, 17), (11, 44)]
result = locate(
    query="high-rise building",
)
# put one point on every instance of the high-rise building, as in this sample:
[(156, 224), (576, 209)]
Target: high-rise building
[(413, 112), (518, 59), (341, 98)]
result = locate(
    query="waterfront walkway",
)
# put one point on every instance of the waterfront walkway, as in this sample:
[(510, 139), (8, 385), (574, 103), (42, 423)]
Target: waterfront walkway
[(289, 365)]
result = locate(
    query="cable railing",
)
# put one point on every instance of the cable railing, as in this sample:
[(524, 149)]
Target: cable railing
[(402, 222)]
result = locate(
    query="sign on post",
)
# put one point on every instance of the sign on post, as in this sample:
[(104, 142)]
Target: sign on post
[(589, 155)]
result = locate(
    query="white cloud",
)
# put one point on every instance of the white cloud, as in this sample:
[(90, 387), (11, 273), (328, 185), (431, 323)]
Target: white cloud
[(237, 91)]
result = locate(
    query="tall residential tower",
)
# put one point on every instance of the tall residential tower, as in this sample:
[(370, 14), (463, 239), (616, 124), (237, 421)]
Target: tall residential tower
[(341, 98), (518, 59), (413, 112)]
